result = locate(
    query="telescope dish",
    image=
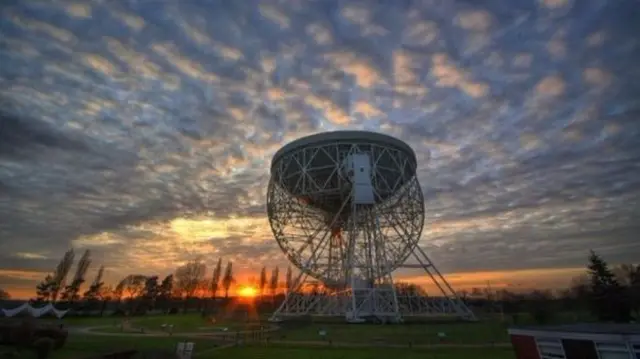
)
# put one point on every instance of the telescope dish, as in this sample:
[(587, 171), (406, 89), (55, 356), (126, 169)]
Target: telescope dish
[(347, 209)]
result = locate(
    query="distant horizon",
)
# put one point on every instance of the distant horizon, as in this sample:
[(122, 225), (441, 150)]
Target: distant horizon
[(514, 281)]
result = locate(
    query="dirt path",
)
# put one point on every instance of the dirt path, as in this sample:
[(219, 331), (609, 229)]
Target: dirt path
[(155, 333), (306, 343)]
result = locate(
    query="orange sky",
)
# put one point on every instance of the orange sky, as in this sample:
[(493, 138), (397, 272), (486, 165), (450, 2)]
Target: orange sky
[(516, 280)]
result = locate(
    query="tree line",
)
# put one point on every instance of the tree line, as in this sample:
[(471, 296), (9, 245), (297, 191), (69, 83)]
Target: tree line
[(189, 283), (609, 294), (604, 293)]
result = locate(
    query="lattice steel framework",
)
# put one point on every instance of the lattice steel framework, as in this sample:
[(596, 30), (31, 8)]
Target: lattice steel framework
[(351, 248)]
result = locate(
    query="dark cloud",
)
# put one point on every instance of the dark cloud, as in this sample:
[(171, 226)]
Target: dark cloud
[(121, 118), (20, 137)]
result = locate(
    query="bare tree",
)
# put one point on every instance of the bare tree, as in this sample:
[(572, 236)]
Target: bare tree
[(106, 294), (149, 293), (94, 290), (71, 291), (189, 277), (118, 291), (165, 291), (227, 279), (263, 281), (59, 277), (215, 279), (132, 285)]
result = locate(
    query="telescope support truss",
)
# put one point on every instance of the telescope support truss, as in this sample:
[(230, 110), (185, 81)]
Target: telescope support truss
[(383, 304)]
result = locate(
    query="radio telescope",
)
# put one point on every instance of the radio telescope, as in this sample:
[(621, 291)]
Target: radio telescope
[(347, 210)]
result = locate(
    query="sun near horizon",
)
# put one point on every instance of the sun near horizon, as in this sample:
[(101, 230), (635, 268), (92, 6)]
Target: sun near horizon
[(247, 291)]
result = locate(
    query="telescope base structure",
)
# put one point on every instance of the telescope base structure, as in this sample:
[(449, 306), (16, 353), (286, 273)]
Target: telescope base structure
[(383, 302)]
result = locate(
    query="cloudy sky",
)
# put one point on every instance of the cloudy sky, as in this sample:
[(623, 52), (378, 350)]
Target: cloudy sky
[(143, 130)]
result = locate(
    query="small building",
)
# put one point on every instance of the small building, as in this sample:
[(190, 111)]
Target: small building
[(577, 341)]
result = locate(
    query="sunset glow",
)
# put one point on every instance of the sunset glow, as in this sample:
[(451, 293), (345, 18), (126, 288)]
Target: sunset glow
[(247, 292)]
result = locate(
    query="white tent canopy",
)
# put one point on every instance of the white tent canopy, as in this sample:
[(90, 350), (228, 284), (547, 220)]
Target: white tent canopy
[(34, 312)]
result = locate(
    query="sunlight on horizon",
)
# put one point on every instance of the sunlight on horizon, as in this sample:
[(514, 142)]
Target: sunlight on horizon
[(247, 291), (516, 280)]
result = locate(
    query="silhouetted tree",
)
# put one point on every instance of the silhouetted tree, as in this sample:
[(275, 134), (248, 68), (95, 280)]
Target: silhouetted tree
[(71, 291), (59, 277), (151, 287), (289, 279), (609, 300), (132, 285), (149, 293), (227, 279), (43, 289), (263, 281), (129, 288), (96, 292), (273, 283), (163, 297), (215, 279), (4, 295), (189, 279), (105, 294), (96, 286), (118, 292), (477, 293), (410, 289)]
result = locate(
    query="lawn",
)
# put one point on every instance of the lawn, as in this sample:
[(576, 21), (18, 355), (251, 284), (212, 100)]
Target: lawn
[(466, 333), (184, 323), (84, 345), (417, 333), (360, 353), (81, 346)]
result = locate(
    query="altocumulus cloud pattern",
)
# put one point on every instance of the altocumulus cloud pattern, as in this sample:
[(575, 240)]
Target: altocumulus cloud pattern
[(143, 130)]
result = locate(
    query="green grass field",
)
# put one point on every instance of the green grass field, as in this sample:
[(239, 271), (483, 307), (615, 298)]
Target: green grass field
[(369, 353), (464, 333), (301, 341), (188, 323)]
